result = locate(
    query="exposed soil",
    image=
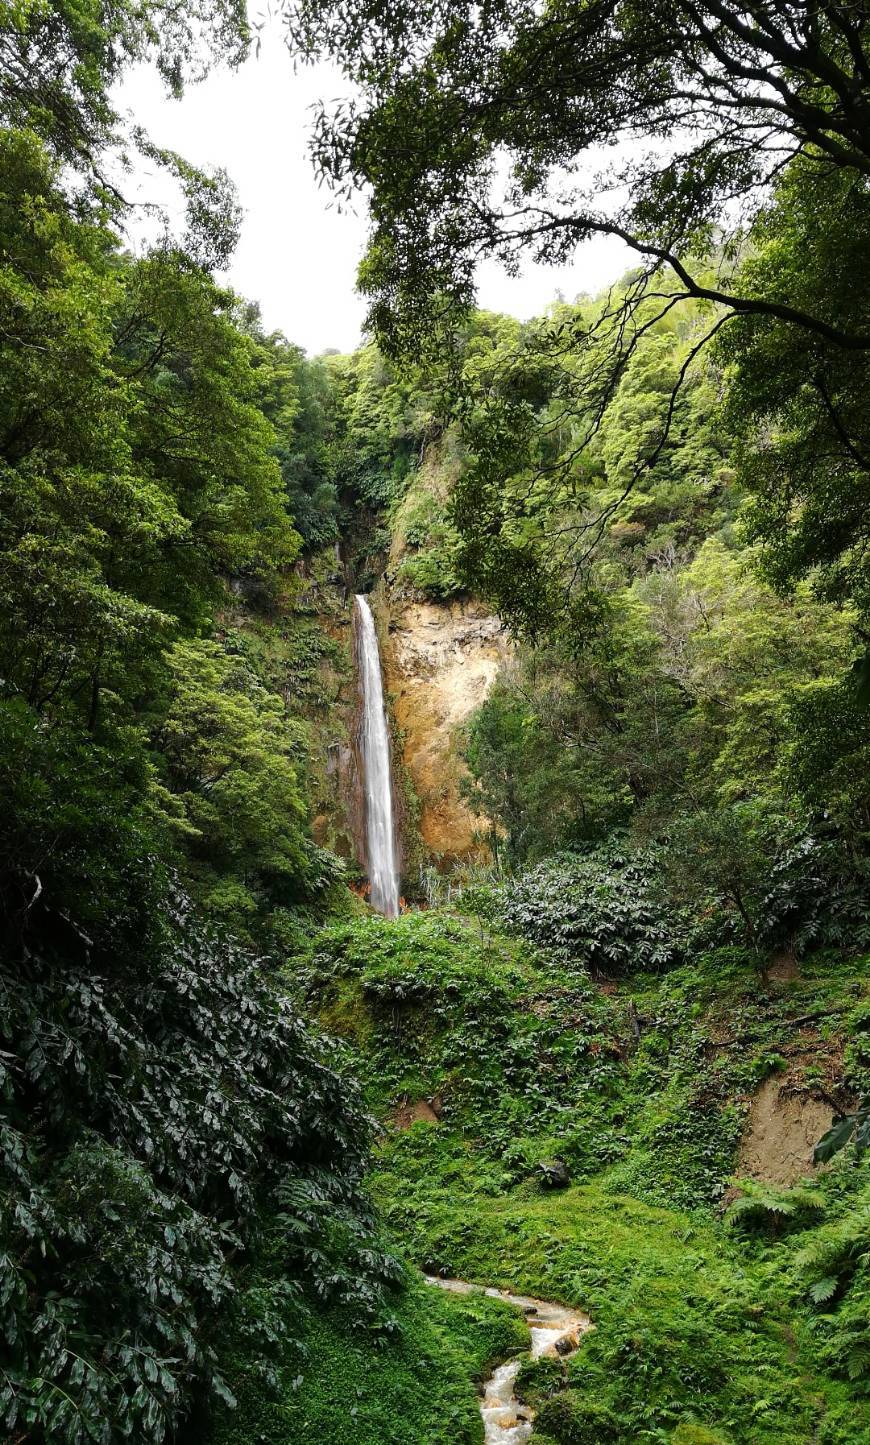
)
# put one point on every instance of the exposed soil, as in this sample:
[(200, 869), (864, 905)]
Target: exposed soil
[(783, 968), (417, 1111), (781, 1133)]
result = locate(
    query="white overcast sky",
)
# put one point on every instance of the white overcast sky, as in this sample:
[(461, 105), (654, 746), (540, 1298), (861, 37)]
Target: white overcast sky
[(298, 254)]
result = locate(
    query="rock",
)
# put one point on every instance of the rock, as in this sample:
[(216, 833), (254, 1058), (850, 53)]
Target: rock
[(554, 1174), (439, 665), (565, 1345)]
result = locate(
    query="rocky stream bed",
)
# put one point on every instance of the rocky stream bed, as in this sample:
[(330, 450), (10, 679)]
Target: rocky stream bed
[(555, 1330)]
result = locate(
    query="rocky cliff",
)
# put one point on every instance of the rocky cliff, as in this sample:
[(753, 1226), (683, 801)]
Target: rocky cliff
[(440, 661)]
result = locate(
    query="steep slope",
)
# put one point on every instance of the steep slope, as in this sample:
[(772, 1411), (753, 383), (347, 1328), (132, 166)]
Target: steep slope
[(743, 1326), (441, 661)]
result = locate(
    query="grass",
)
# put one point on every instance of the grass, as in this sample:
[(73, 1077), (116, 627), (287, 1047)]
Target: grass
[(341, 1384), (704, 1335)]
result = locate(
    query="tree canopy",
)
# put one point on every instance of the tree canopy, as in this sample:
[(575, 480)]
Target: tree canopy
[(721, 142)]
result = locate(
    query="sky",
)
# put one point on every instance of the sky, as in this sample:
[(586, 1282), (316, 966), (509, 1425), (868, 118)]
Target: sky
[(298, 253)]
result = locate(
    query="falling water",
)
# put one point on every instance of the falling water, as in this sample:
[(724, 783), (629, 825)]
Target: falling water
[(380, 833)]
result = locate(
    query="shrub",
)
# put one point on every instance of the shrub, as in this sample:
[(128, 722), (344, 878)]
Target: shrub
[(157, 1104), (599, 909), (688, 1433), (538, 1379), (573, 1420), (833, 1270), (766, 1207)]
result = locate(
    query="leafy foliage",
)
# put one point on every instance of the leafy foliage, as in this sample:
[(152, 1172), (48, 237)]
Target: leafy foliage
[(598, 910), (231, 756), (524, 1061), (832, 1268), (342, 1382), (762, 1206), (155, 1101), (852, 1126)]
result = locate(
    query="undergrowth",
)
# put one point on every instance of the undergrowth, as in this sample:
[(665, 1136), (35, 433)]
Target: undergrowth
[(343, 1385), (748, 1326)]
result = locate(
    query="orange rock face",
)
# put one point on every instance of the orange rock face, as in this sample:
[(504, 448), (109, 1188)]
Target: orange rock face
[(440, 662)]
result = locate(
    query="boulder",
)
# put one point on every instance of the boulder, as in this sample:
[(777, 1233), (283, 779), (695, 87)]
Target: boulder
[(554, 1174)]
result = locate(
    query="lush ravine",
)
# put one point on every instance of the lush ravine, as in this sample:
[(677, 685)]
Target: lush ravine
[(721, 1313), (365, 989)]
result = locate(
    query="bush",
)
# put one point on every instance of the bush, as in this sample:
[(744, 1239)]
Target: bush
[(339, 1386), (538, 1379), (599, 909), (157, 1104), (573, 1420), (833, 1272), (688, 1433), (758, 874), (764, 1207)]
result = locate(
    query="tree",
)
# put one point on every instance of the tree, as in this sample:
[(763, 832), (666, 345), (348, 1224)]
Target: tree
[(511, 130), (230, 756), (797, 404), (59, 63), (714, 99), (533, 778), (723, 858), (161, 1104), (137, 466)]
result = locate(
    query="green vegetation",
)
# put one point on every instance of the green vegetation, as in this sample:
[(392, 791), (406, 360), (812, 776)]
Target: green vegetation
[(342, 1385), (162, 1103), (240, 1114), (701, 1322)]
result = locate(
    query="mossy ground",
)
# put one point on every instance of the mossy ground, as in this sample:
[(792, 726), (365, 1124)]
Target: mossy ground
[(704, 1335), (342, 1384)]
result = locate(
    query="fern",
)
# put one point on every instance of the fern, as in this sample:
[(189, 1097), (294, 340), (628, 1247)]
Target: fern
[(824, 1289), (760, 1205)]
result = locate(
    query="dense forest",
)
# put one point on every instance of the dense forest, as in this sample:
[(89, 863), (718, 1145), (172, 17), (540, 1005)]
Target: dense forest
[(614, 1053)]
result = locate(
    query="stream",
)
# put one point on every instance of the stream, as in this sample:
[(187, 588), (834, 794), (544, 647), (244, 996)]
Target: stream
[(555, 1330)]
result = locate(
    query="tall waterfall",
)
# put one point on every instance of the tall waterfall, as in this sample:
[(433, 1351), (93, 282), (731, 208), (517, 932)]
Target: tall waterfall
[(380, 831)]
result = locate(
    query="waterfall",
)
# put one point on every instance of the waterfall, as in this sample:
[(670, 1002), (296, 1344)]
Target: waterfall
[(380, 832)]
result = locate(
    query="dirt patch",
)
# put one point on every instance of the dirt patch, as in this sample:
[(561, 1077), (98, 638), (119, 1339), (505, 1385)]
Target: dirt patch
[(783, 968), (781, 1133), (417, 1111)]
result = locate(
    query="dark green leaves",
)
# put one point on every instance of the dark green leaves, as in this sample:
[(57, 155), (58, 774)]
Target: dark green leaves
[(599, 910), (163, 1098), (852, 1126)]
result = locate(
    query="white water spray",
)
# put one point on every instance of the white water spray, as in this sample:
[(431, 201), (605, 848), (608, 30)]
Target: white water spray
[(380, 832)]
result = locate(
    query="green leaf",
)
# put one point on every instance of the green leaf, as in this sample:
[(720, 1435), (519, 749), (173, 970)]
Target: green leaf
[(823, 1289), (834, 1140)]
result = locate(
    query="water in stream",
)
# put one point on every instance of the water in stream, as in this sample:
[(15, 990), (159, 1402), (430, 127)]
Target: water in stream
[(555, 1330), (375, 745)]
